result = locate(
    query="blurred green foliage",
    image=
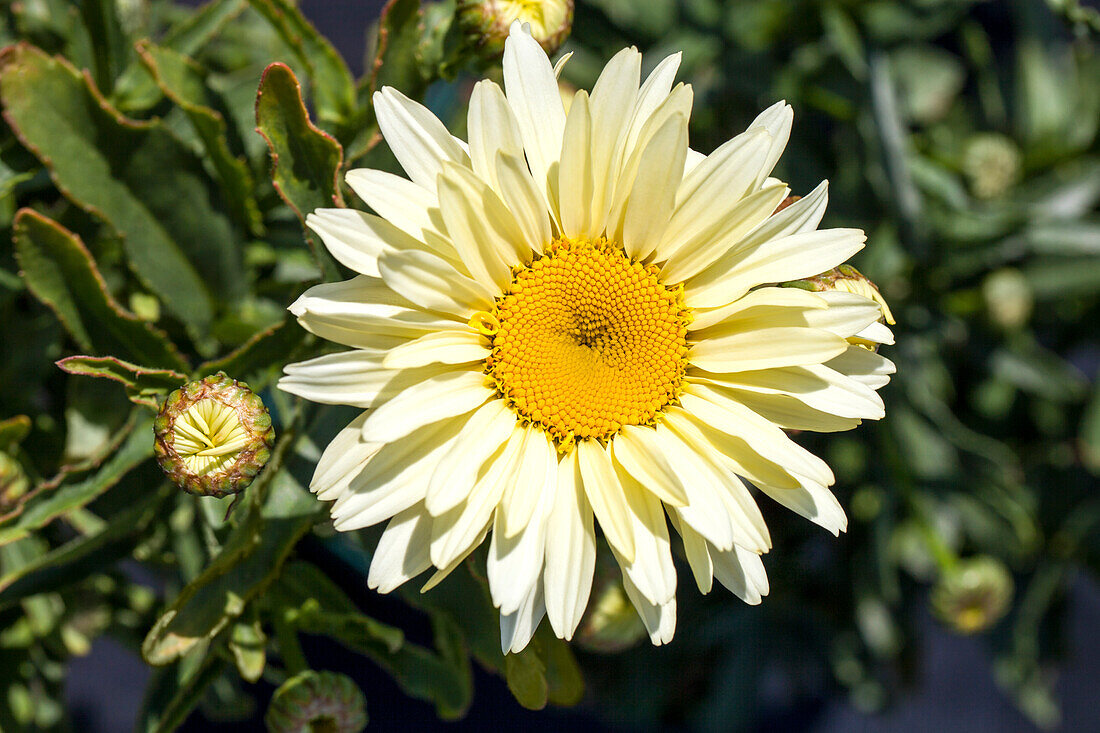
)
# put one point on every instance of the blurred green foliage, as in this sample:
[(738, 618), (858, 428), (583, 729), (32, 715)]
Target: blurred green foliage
[(156, 237)]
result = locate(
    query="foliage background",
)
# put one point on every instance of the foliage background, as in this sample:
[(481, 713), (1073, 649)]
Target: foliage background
[(152, 240)]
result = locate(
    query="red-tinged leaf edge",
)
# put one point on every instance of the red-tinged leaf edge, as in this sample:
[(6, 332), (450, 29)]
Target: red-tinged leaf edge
[(86, 366)]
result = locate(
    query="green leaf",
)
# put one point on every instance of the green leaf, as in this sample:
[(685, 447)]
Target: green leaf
[(183, 81), (354, 629), (1089, 435), (563, 675), (248, 563), (175, 691), (262, 354), (49, 501), (60, 271), (331, 83), (110, 47), (526, 676), (305, 161), (396, 51), (178, 241), (80, 558), (248, 644), (13, 430), (144, 386)]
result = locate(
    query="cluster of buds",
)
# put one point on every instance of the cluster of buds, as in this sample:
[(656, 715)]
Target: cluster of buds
[(973, 594), (317, 702), (213, 436), (486, 22)]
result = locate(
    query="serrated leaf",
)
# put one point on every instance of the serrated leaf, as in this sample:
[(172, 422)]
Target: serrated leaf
[(256, 359), (13, 430), (136, 90), (305, 160), (330, 81), (248, 563), (144, 386), (177, 240), (183, 81), (60, 271), (84, 556), (51, 500), (395, 53), (526, 676)]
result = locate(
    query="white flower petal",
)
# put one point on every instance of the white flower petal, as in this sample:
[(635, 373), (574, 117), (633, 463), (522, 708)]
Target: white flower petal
[(605, 494), (576, 179), (356, 239), (532, 91), (397, 200), (705, 511), (651, 570), (652, 94), (452, 346), (725, 175), (514, 564), (636, 448), (395, 478), (445, 394), (432, 283), (864, 366), (570, 550), (419, 141), (766, 348), (697, 550), (814, 502), (742, 573), (492, 129), (659, 620), (483, 230), (516, 629), (524, 200), (402, 551), (767, 301), (536, 468), (815, 385), (341, 461), (461, 466), (724, 227), (354, 378), (791, 414), (653, 196), (613, 100), (777, 120)]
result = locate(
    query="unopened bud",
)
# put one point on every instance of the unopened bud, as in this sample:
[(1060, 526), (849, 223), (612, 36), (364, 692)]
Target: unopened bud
[(317, 702), (1008, 297), (973, 595), (992, 163), (213, 436), (487, 21), (849, 280), (13, 482)]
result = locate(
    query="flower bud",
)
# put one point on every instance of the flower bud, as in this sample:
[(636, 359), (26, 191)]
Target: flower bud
[(992, 164), (610, 623), (1008, 298), (487, 21), (973, 595), (317, 702), (213, 436), (849, 280), (13, 482)]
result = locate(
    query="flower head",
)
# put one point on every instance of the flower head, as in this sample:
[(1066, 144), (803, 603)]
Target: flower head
[(568, 324), (213, 436), (317, 702)]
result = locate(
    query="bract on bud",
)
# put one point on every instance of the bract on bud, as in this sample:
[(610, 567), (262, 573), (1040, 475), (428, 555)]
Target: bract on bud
[(973, 595), (213, 436), (487, 21), (317, 702)]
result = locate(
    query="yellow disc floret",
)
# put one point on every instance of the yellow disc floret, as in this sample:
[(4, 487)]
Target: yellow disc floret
[(587, 341)]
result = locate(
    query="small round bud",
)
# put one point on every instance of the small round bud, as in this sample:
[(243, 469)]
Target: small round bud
[(610, 624), (487, 21), (992, 164), (973, 595), (1008, 298), (849, 280), (13, 482), (317, 702), (213, 436)]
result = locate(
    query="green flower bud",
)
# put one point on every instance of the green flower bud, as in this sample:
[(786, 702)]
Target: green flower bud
[(610, 623), (317, 702), (1008, 298), (213, 436), (487, 21), (13, 482), (973, 595), (992, 164)]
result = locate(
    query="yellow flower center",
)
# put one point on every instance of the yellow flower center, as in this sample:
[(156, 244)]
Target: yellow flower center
[(209, 436), (586, 341)]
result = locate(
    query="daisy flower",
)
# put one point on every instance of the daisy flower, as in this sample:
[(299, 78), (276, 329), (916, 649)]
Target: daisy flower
[(569, 327)]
